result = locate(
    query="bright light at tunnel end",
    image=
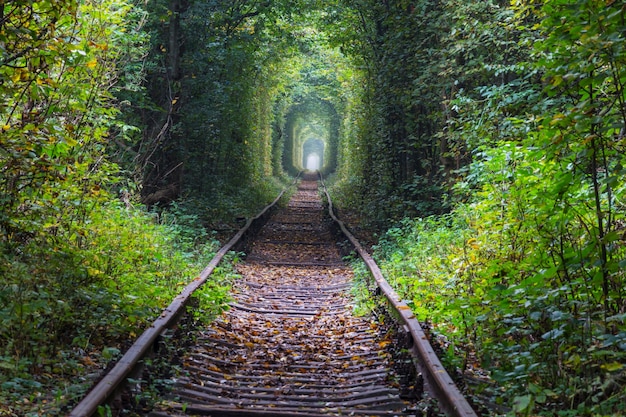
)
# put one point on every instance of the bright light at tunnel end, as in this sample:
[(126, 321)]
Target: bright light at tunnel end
[(313, 162)]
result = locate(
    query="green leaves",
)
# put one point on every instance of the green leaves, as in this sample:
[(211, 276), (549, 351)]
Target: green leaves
[(77, 267), (74, 308), (516, 273), (55, 110)]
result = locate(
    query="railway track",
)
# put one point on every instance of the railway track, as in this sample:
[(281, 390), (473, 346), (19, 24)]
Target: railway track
[(290, 344)]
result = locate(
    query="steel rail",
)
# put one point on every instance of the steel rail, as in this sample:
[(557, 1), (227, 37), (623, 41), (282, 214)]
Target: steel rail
[(108, 385), (443, 387)]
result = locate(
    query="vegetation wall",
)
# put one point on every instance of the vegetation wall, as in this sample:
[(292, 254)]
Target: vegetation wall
[(495, 130)]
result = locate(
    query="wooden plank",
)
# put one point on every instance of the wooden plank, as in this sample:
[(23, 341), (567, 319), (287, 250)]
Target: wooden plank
[(195, 395), (298, 389), (276, 411), (263, 374), (298, 397)]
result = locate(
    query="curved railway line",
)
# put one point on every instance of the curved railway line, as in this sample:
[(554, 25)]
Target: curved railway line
[(290, 344)]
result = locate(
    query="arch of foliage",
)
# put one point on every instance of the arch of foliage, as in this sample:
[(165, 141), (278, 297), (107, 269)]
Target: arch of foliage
[(311, 117)]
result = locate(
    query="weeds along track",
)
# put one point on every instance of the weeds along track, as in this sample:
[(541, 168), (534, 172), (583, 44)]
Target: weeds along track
[(290, 344)]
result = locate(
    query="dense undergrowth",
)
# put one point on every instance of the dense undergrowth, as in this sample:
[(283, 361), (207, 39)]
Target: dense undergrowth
[(71, 305), (516, 278), (225, 206)]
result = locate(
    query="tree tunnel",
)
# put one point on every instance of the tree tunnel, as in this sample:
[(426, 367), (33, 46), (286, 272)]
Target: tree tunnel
[(310, 137), (313, 154)]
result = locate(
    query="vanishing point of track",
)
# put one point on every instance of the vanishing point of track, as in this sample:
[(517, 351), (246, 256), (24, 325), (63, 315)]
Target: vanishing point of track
[(290, 344)]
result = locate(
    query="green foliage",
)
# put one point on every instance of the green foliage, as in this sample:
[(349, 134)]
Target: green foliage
[(226, 206), (79, 307), (81, 271), (519, 276), (55, 112), (362, 288), (515, 277), (527, 271), (213, 297), (420, 64)]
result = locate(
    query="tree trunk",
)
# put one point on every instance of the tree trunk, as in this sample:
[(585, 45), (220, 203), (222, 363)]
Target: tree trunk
[(174, 40)]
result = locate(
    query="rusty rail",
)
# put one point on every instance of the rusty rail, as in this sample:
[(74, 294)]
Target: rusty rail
[(106, 388), (443, 387)]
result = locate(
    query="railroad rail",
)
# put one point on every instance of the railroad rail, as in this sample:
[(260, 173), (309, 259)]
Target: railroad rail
[(290, 345)]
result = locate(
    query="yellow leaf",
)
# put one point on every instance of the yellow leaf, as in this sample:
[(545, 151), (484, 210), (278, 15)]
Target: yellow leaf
[(557, 118), (17, 75), (612, 367), (92, 64), (472, 242), (589, 138)]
